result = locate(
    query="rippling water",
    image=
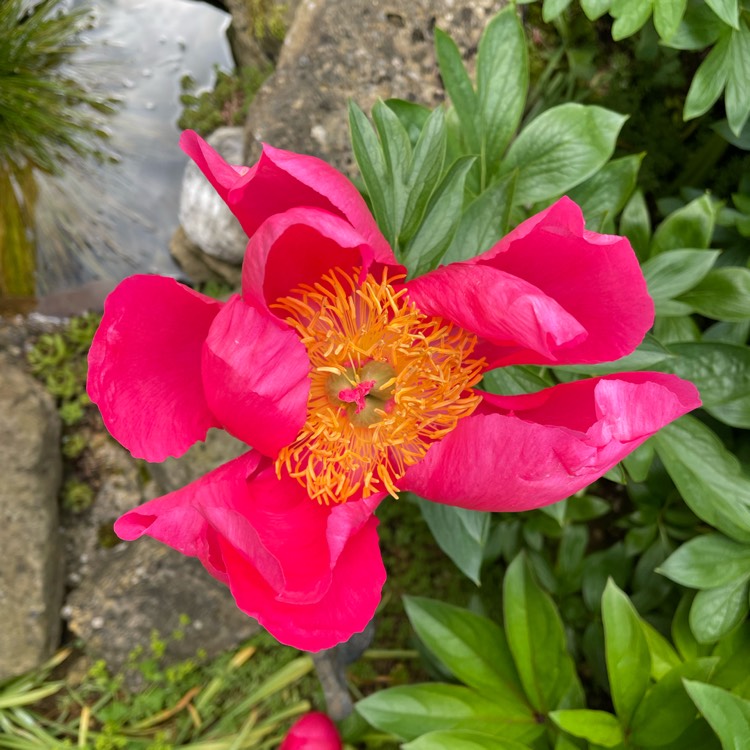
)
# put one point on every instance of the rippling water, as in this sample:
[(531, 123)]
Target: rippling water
[(102, 222)]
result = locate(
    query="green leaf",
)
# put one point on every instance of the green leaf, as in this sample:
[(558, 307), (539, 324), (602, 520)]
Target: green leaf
[(691, 226), (553, 8), (727, 10), (728, 715), (472, 647), (700, 28), (627, 654), (734, 413), (721, 372), (715, 612), (560, 149), (629, 15), (441, 219), (458, 87), (412, 710), (737, 95), (595, 8), (666, 709), (460, 533), (723, 294), (424, 171), (459, 739), (707, 475), (411, 115), (649, 354), (709, 80), (371, 163), (708, 561), (667, 17), (673, 272), (536, 637), (484, 222), (604, 194), (663, 656), (598, 727), (635, 223), (502, 85), (512, 381)]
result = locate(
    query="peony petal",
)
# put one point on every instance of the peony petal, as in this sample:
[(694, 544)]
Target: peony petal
[(144, 366), (298, 247), (175, 519), (594, 278), (508, 312), (255, 375), (282, 180), (314, 731), (520, 452)]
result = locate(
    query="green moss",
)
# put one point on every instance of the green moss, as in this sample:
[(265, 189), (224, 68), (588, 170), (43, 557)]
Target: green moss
[(77, 496), (226, 104)]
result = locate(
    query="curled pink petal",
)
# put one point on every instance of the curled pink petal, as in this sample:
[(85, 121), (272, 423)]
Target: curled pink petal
[(282, 180), (314, 731), (297, 247), (520, 452), (145, 366), (255, 375), (594, 278)]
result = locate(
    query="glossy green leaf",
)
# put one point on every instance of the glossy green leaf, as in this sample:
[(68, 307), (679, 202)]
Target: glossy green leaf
[(635, 223), (472, 647), (737, 95), (674, 272), (595, 8), (691, 226), (667, 16), (666, 709), (460, 533), (735, 413), (728, 715), (627, 654), (371, 163), (598, 727), (721, 372), (440, 222), (630, 16), (715, 612), (484, 221), (709, 477), (411, 115), (709, 80), (502, 85), (605, 193), (726, 10), (553, 8), (512, 381), (412, 710), (536, 637), (560, 149), (708, 561), (424, 172), (459, 87), (723, 294), (663, 656), (462, 740), (700, 28)]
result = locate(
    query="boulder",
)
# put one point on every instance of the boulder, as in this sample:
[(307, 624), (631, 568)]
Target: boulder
[(31, 570), (363, 50)]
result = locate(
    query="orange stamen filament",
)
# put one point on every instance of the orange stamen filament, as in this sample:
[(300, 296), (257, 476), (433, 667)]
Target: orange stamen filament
[(386, 382)]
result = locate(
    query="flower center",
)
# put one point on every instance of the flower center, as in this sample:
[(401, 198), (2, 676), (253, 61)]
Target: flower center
[(387, 381)]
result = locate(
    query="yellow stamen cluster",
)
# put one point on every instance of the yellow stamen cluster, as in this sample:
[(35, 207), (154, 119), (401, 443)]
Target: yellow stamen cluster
[(350, 330)]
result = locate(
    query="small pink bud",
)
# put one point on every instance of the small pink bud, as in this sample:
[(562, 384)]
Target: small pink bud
[(314, 731)]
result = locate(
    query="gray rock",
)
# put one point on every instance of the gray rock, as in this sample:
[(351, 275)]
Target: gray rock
[(207, 222), (363, 50), (31, 564), (200, 267), (144, 586)]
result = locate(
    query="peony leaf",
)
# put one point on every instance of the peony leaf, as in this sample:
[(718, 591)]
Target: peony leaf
[(598, 727), (715, 612), (709, 80), (728, 715)]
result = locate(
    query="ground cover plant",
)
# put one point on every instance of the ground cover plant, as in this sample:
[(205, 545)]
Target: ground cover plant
[(616, 617)]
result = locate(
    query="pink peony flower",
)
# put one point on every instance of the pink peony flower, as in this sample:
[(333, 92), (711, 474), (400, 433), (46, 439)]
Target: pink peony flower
[(353, 384), (314, 731)]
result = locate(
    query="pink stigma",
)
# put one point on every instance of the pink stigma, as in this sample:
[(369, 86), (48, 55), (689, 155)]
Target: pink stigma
[(356, 395)]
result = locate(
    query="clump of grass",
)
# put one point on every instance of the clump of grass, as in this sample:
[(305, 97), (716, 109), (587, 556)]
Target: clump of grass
[(45, 115)]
